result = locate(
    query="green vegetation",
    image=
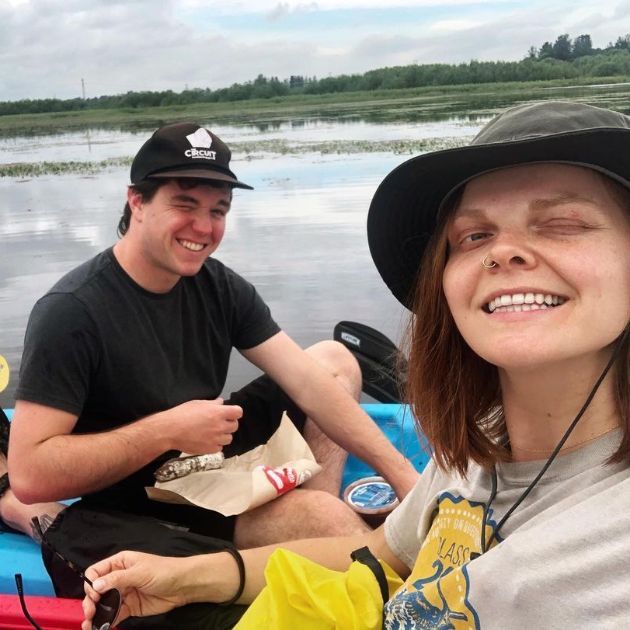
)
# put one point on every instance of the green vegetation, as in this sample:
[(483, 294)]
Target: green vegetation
[(36, 169), (574, 60), (249, 149), (409, 104), (566, 49)]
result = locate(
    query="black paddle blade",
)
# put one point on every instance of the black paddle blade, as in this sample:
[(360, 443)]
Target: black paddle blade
[(381, 366)]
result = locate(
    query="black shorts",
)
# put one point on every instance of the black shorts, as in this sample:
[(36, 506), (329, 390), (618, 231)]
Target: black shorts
[(84, 536), (263, 404), (85, 532)]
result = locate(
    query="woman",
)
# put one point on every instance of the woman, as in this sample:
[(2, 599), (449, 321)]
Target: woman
[(514, 255)]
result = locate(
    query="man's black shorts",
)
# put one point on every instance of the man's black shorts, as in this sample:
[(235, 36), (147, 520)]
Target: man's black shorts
[(263, 404), (85, 533)]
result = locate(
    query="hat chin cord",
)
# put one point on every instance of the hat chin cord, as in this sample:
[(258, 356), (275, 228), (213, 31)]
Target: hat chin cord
[(493, 492)]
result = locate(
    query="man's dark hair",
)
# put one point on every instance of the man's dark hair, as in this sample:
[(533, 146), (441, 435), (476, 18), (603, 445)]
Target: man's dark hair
[(148, 188)]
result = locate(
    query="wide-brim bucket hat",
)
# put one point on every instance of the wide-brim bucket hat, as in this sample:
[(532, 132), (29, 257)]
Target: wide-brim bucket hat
[(404, 211)]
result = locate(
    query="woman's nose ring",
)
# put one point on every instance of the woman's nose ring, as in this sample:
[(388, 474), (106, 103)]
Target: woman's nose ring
[(488, 265)]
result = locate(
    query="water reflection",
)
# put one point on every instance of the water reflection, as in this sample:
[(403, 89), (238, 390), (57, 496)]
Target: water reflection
[(299, 237), (102, 144)]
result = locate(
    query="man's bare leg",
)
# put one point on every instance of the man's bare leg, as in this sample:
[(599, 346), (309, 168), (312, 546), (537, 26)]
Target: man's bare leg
[(314, 509), (338, 360), (297, 514), (18, 515)]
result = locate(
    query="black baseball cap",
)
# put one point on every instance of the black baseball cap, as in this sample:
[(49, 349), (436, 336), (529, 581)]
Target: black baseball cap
[(184, 150), (405, 208)]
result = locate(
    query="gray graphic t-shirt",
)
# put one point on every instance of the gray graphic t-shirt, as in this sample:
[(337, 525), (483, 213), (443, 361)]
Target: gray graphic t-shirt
[(562, 559)]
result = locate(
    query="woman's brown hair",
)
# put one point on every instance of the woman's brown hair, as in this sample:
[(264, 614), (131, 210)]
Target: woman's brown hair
[(453, 392)]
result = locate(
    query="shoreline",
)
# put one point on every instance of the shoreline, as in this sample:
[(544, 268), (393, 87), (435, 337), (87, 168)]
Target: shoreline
[(425, 103)]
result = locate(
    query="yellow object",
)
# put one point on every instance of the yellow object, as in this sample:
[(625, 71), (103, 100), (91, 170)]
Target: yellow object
[(4, 373), (301, 594)]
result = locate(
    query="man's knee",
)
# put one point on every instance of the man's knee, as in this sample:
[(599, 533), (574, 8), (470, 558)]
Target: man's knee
[(339, 361), (297, 514), (326, 515)]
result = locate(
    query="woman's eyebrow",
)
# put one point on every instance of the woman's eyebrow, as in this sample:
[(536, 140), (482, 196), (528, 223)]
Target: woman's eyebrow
[(561, 199), (468, 213), (536, 205)]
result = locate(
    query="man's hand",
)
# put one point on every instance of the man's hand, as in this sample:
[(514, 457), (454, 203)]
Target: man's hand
[(202, 426), (148, 585)]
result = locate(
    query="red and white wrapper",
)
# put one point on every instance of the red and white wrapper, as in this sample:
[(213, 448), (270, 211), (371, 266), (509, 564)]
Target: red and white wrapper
[(248, 480)]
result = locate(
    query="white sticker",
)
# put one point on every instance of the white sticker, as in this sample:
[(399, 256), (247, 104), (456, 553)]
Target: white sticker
[(355, 341)]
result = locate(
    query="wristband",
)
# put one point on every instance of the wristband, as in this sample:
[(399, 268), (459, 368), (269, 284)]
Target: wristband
[(241, 572)]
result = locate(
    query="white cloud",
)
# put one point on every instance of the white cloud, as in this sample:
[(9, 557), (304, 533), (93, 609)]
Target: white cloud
[(264, 6), (282, 9), (454, 25), (47, 46), (332, 52)]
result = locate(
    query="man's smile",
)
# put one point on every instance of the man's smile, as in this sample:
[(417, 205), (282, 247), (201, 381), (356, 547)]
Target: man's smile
[(191, 245)]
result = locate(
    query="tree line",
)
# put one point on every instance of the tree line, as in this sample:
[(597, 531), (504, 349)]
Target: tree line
[(565, 58), (566, 49)]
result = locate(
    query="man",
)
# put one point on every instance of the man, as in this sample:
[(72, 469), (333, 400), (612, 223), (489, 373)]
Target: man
[(124, 361)]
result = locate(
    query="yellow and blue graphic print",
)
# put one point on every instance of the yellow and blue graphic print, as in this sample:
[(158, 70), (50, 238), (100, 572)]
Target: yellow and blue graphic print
[(435, 596)]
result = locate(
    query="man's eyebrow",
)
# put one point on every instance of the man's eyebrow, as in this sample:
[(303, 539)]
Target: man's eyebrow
[(184, 198)]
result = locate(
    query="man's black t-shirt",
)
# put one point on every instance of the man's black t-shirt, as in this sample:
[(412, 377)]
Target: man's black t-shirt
[(100, 346)]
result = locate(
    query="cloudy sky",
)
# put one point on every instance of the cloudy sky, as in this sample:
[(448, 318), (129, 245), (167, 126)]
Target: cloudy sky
[(48, 46)]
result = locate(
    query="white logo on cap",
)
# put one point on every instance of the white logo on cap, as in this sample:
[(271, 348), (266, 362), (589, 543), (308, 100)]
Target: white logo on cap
[(201, 141)]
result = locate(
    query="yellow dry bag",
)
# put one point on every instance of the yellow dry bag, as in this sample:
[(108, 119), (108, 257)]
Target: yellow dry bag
[(303, 594)]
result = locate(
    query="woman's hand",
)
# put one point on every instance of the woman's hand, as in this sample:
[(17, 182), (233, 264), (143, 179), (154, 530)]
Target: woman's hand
[(148, 584)]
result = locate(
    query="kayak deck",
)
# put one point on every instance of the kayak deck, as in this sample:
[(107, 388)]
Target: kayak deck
[(49, 612)]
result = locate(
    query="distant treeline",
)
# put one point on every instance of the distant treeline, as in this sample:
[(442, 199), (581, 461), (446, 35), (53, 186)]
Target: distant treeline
[(563, 59)]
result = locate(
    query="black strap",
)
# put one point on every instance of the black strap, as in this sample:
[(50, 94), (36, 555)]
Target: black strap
[(4, 483), (5, 427), (20, 589), (4, 486), (4, 448), (241, 573), (366, 557)]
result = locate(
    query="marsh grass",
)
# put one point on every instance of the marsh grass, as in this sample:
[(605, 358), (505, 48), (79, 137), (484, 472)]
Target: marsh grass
[(249, 150), (36, 169)]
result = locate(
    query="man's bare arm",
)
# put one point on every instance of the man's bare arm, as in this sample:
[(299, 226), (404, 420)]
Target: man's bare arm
[(318, 394), (48, 463)]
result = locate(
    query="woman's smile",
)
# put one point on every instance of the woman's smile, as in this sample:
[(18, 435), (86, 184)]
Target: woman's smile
[(516, 302)]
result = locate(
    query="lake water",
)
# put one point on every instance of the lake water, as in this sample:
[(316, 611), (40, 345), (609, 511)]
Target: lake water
[(299, 236)]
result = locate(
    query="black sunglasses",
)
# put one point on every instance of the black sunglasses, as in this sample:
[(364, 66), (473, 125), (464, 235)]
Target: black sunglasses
[(107, 607)]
